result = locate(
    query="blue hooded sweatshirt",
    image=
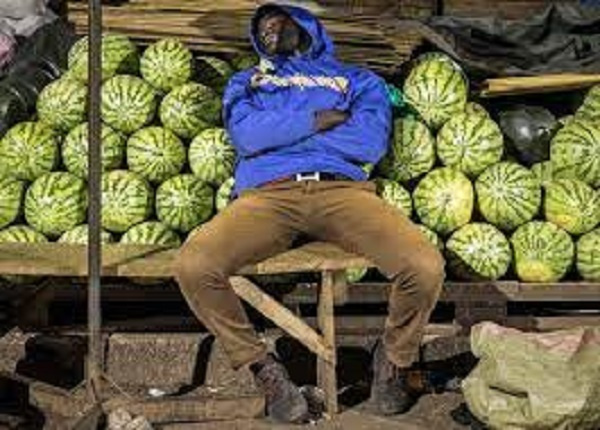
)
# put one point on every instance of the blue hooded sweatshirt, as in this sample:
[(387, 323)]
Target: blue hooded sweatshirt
[(269, 112)]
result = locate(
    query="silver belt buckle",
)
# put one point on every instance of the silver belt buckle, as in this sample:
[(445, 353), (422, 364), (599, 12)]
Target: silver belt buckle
[(314, 176)]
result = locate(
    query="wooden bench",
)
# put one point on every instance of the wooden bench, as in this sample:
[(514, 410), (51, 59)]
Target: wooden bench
[(52, 259), (473, 301)]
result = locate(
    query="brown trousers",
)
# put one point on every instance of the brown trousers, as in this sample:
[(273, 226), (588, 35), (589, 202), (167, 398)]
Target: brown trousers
[(264, 222)]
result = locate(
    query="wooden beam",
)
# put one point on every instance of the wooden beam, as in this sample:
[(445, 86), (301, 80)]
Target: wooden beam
[(326, 370), (537, 84), (282, 317)]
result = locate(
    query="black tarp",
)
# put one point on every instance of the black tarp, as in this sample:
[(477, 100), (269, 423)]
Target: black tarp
[(563, 38)]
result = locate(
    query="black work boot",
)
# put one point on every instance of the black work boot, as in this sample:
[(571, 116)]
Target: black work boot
[(391, 393), (285, 403)]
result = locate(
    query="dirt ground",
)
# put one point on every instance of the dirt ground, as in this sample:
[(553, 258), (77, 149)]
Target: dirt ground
[(433, 412)]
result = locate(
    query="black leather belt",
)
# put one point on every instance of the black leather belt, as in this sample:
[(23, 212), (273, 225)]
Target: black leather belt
[(310, 176)]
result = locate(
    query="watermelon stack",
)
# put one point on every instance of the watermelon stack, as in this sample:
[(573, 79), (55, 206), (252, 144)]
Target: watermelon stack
[(168, 165), (164, 153)]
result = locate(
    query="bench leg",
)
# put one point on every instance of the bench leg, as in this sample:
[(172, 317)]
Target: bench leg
[(326, 370)]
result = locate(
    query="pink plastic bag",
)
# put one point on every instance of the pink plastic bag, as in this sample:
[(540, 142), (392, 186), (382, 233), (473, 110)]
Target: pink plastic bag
[(8, 47)]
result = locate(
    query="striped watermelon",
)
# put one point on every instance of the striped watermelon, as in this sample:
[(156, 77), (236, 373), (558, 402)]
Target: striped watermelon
[(572, 205), (155, 153), (79, 235), (55, 203), (473, 108), (543, 172), (575, 149), (190, 109), (184, 202), (75, 149), (470, 143), (21, 234), (119, 56), (12, 192), (588, 256), (244, 61), (444, 200), (62, 104), (223, 195), (543, 252), (394, 194), (436, 88), (432, 236), (590, 109), (214, 72), (151, 233), (128, 103), (167, 64), (412, 152), (508, 195), (212, 156), (28, 150), (126, 200), (478, 252)]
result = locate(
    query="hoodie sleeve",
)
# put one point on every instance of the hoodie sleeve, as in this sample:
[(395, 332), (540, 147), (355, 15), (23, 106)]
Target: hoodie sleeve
[(254, 129), (364, 137)]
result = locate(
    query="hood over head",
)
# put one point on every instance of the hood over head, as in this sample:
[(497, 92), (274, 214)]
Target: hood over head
[(320, 45)]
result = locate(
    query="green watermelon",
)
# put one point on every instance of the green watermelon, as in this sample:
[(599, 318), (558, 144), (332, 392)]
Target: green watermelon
[(184, 202), (478, 252), (62, 104), (79, 235), (432, 236), (508, 195), (572, 205), (212, 156), (473, 108), (245, 60), (119, 56), (11, 198), (190, 109), (355, 274), (223, 195), (543, 172), (214, 72), (444, 200), (155, 153), (590, 109), (412, 152), (588, 256), (126, 200), (470, 143), (167, 64), (55, 203), (394, 194), (28, 150), (437, 88), (543, 252), (75, 150), (21, 234), (575, 150), (128, 103), (151, 233)]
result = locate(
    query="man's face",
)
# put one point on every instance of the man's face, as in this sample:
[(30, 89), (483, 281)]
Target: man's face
[(278, 34)]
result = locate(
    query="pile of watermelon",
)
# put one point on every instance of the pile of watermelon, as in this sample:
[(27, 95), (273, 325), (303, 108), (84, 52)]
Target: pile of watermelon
[(493, 217), (168, 163)]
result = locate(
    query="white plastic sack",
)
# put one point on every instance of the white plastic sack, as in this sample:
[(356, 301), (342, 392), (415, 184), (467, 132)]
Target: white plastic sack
[(535, 380), (24, 17)]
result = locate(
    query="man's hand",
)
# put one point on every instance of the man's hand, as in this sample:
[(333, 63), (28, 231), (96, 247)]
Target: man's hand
[(328, 119)]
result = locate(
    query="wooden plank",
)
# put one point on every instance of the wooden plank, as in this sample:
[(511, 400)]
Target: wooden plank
[(377, 292), (537, 84), (326, 369), (156, 261), (282, 317)]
